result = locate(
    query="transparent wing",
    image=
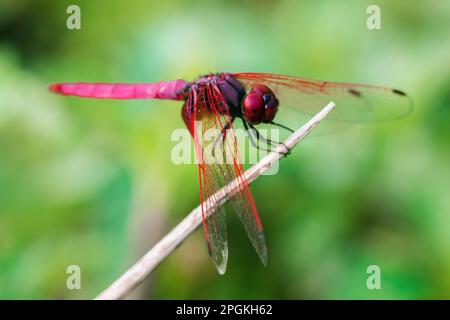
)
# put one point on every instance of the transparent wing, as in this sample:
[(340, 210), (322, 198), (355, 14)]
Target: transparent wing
[(243, 203), (214, 225), (354, 102), (219, 163)]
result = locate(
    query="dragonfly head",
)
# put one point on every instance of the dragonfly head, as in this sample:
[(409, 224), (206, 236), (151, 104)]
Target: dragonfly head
[(260, 105)]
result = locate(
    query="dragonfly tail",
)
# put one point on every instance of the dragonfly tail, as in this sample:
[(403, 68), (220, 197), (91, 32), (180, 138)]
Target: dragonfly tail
[(171, 90)]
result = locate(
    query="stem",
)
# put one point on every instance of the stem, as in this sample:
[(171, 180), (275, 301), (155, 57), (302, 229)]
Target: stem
[(143, 267)]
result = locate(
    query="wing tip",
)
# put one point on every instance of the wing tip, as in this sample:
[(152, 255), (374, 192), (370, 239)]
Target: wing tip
[(354, 92), (220, 259), (399, 92), (221, 269), (264, 260), (262, 251), (221, 266)]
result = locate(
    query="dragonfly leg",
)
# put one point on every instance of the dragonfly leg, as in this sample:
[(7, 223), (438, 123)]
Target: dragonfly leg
[(270, 142), (253, 130), (281, 126), (222, 136), (250, 136)]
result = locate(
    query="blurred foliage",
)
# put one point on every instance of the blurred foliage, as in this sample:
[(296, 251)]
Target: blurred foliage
[(91, 182)]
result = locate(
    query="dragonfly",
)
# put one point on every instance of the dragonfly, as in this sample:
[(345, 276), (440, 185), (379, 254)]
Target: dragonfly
[(216, 101)]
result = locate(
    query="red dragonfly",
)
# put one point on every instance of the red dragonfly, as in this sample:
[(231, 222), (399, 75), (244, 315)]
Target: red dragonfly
[(216, 100)]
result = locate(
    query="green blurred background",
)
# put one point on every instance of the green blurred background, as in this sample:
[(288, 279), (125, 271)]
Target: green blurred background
[(91, 183)]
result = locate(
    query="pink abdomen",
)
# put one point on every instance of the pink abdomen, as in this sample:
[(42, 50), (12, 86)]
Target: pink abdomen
[(172, 90)]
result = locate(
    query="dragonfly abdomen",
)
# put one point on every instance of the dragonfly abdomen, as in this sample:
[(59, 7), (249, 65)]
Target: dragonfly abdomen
[(171, 90)]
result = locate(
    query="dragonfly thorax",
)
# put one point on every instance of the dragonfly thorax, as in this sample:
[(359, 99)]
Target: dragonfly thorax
[(257, 106), (232, 91)]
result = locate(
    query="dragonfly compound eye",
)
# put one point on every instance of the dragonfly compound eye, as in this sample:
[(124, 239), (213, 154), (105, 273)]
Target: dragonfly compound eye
[(260, 105), (271, 107), (253, 108)]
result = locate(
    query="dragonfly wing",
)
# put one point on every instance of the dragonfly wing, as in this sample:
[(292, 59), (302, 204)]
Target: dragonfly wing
[(214, 225), (243, 203), (219, 164), (354, 102)]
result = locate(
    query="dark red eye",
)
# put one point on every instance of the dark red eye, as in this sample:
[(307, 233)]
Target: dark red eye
[(260, 105), (271, 103), (261, 89), (253, 108)]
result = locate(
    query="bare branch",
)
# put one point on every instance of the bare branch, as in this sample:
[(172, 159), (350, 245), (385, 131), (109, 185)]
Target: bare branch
[(144, 266)]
